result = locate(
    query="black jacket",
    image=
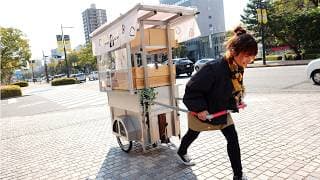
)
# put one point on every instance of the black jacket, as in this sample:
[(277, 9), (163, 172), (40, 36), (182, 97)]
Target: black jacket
[(211, 89)]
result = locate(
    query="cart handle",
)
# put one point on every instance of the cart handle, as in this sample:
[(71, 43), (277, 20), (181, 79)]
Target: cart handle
[(220, 113)]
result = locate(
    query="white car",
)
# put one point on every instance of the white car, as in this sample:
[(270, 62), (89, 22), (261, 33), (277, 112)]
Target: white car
[(80, 77), (313, 71), (200, 63), (93, 76)]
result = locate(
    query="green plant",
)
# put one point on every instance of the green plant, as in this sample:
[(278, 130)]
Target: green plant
[(273, 57), (147, 95), (63, 81), (10, 91), (290, 56), (311, 56), (21, 83)]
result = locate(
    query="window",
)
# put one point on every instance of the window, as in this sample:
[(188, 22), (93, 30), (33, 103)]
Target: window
[(210, 17), (210, 25)]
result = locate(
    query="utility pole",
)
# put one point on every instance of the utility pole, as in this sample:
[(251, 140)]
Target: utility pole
[(64, 50), (32, 61), (65, 53), (45, 67)]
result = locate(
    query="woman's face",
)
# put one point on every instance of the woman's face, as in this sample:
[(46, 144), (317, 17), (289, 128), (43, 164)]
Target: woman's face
[(243, 59)]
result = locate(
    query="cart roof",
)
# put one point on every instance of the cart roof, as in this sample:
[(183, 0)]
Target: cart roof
[(123, 29)]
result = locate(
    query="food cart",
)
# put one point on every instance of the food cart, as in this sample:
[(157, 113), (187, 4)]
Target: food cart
[(134, 57)]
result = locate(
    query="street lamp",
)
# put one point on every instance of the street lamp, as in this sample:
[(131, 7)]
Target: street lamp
[(64, 50), (262, 20)]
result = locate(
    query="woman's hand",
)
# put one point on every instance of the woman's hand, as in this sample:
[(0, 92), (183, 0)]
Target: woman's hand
[(202, 115)]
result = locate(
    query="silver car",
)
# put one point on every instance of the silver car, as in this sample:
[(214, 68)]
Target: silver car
[(200, 63)]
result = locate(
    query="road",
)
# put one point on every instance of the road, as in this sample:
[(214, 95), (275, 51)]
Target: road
[(64, 133)]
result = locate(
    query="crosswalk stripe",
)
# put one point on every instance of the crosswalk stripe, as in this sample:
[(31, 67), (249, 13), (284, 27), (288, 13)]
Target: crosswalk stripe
[(75, 97)]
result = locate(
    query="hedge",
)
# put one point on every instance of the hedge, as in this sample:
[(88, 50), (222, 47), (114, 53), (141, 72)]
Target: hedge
[(311, 56), (10, 91), (273, 57), (21, 83), (63, 81)]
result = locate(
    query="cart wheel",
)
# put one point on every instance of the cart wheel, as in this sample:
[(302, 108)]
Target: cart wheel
[(124, 144)]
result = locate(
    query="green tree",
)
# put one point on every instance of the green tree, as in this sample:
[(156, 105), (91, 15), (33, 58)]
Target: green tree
[(15, 52), (85, 57), (290, 22), (180, 51), (249, 18)]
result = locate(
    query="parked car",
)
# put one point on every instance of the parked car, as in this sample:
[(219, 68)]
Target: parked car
[(183, 65), (200, 63), (59, 76), (93, 76), (80, 77), (313, 71)]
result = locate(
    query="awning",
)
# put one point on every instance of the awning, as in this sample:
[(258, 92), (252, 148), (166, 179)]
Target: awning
[(111, 36)]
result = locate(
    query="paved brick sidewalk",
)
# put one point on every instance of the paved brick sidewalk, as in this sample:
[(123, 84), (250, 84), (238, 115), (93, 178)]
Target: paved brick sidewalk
[(279, 137)]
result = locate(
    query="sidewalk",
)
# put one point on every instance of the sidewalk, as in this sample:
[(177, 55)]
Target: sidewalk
[(278, 63)]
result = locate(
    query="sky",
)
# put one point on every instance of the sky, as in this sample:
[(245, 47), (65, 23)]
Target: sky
[(41, 21)]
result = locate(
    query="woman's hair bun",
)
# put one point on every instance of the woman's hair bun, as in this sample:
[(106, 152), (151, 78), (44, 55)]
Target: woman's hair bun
[(239, 31)]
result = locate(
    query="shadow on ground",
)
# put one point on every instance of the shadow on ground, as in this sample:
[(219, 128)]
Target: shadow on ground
[(156, 163)]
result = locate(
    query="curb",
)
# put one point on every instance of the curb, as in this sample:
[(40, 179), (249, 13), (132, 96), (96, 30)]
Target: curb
[(275, 64)]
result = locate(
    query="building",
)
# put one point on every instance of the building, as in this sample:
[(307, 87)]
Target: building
[(56, 54), (211, 23), (92, 19), (211, 17)]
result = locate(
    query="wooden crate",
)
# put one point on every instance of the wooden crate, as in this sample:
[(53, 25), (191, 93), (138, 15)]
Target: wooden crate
[(156, 77)]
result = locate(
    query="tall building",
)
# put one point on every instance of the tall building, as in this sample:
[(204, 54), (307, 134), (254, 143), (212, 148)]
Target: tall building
[(211, 23), (92, 19), (211, 17)]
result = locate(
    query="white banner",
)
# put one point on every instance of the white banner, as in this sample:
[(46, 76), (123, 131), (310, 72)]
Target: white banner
[(117, 34)]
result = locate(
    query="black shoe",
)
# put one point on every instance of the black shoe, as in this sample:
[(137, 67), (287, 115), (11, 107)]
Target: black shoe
[(243, 177), (186, 160)]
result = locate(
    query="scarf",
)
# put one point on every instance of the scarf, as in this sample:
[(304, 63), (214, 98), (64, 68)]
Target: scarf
[(237, 81)]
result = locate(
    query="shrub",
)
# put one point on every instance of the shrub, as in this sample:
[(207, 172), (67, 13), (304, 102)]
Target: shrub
[(290, 56), (21, 83), (273, 57), (10, 91), (311, 56), (63, 81)]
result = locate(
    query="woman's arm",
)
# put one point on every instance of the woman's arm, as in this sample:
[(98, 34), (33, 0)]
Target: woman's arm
[(197, 88)]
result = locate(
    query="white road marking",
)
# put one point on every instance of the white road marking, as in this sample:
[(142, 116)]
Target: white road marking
[(13, 100), (32, 104)]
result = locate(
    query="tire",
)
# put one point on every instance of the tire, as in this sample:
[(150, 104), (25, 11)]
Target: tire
[(189, 74), (316, 76), (125, 146)]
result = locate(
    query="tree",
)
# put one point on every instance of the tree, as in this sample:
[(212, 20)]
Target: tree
[(86, 58), (15, 52), (295, 23), (290, 22), (249, 18), (180, 51)]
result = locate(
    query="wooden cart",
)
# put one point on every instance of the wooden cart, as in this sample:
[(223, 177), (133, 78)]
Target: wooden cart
[(134, 55)]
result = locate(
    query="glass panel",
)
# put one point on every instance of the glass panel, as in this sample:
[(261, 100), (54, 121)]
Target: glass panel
[(113, 70)]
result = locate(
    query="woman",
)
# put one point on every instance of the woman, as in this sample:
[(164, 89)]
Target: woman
[(216, 87)]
